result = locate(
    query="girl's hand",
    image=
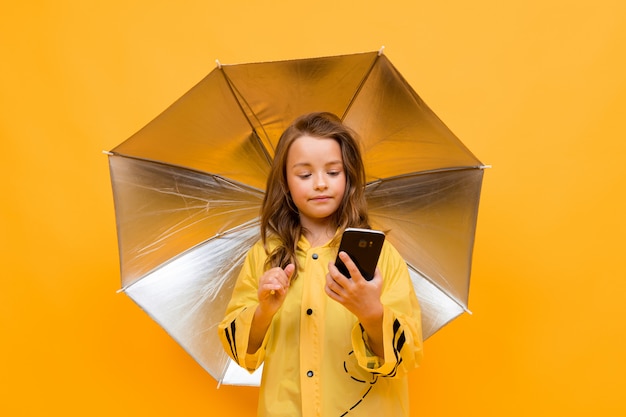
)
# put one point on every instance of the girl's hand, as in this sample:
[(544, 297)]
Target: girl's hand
[(359, 296), (273, 287)]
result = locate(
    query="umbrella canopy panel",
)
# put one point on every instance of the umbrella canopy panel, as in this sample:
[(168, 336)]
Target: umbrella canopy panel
[(273, 94), (188, 297), (204, 130), (162, 211), (431, 219), (399, 132)]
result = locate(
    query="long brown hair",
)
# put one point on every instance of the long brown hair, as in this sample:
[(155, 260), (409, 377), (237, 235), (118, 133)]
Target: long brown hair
[(279, 215)]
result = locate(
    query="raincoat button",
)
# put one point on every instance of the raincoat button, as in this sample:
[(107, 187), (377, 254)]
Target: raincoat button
[(315, 256), (309, 374), (309, 311)]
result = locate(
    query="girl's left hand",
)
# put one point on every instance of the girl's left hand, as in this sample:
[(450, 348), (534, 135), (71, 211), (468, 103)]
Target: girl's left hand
[(359, 296)]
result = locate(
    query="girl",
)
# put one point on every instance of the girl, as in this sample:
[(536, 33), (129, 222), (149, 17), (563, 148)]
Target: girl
[(331, 346)]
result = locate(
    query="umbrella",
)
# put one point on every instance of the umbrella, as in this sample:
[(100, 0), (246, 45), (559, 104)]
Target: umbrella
[(188, 188)]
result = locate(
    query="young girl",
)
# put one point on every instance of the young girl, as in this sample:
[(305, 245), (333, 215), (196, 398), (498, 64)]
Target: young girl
[(331, 346)]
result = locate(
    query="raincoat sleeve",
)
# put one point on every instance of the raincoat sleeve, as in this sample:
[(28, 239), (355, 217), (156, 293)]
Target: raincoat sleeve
[(402, 324), (234, 330)]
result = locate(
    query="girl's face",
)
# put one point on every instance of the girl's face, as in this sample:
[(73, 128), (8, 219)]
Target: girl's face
[(316, 178)]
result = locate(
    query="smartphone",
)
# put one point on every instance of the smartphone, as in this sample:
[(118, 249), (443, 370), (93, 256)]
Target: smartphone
[(363, 246)]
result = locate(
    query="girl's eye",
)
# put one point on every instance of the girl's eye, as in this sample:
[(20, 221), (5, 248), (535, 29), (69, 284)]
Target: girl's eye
[(303, 176), (334, 173)]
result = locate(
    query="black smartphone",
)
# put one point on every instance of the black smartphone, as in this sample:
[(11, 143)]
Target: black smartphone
[(363, 246)]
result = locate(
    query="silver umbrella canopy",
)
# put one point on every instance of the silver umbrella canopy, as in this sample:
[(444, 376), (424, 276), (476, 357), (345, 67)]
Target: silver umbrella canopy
[(188, 189)]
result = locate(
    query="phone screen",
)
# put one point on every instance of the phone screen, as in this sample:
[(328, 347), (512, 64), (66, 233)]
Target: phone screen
[(363, 246)]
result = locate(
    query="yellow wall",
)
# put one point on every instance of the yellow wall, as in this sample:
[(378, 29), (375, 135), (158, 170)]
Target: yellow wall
[(536, 88)]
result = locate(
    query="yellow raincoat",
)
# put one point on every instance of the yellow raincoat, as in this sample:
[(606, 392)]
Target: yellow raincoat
[(315, 354)]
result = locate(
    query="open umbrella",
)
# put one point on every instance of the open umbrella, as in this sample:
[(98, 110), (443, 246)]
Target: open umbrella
[(188, 188)]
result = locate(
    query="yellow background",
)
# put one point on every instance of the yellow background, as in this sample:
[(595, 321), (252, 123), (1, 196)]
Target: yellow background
[(536, 88)]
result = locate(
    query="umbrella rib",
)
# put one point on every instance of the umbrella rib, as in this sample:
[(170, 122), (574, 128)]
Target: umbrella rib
[(217, 235), (215, 176), (236, 93), (425, 172), (361, 84)]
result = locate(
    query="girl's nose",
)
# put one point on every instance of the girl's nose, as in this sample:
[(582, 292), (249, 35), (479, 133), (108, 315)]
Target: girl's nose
[(320, 183)]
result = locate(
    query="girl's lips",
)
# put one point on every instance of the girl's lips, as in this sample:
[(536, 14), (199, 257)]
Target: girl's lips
[(321, 198)]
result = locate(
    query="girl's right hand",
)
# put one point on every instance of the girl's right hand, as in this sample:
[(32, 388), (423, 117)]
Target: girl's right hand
[(273, 287)]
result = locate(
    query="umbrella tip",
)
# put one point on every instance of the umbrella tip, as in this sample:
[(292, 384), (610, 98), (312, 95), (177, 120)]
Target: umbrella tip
[(219, 64), (107, 153), (380, 51)]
